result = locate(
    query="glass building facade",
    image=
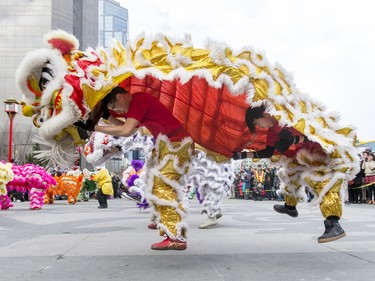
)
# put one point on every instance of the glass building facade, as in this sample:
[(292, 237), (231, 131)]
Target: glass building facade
[(23, 25), (113, 22)]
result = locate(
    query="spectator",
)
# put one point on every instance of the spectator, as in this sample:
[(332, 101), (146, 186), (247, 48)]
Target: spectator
[(259, 192), (276, 186), (116, 181), (369, 166), (247, 185), (355, 193), (268, 184)]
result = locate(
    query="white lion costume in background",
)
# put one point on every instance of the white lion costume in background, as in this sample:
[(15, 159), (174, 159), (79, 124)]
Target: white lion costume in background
[(6, 175), (135, 178), (212, 181), (102, 147)]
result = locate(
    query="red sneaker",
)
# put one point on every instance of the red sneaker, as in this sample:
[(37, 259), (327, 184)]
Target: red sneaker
[(153, 225), (169, 244)]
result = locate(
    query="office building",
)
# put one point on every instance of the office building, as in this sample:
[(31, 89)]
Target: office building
[(113, 22), (23, 25)]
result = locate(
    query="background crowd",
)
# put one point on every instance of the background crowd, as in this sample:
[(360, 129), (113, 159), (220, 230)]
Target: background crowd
[(361, 189), (256, 183), (251, 183)]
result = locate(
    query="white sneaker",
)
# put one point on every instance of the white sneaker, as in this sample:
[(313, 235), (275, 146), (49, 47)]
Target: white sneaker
[(209, 222)]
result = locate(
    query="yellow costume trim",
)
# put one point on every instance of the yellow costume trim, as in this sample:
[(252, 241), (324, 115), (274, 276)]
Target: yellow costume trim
[(72, 131), (216, 156)]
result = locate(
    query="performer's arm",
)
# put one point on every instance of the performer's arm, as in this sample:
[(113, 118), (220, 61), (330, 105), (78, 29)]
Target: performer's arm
[(264, 153), (300, 139), (87, 125), (286, 139), (115, 121), (126, 129)]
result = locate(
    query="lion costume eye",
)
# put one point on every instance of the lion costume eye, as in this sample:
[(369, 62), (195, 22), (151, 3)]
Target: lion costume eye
[(46, 76)]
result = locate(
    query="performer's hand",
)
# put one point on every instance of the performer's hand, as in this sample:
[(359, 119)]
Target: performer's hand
[(83, 134), (236, 156), (286, 139), (89, 125), (106, 114), (239, 155)]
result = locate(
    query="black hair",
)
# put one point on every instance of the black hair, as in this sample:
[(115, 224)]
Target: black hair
[(253, 113), (111, 96)]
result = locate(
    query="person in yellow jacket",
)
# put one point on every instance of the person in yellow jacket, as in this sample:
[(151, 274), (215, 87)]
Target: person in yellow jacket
[(105, 188)]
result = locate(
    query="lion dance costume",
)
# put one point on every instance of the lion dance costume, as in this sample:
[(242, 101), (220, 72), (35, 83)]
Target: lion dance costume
[(6, 175), (208, 90), (102, 147), (212, 180), (68, 184), (134, 178), (31, 178)]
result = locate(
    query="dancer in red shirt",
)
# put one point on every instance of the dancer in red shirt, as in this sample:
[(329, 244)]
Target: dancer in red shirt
[(304, 163), (169, 161)]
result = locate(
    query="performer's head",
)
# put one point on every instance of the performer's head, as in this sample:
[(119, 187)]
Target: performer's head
[(257, 116), (365, 155), (117, 100), (371, 156)]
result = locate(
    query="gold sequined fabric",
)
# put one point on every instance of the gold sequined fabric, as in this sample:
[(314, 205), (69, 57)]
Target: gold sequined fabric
[(171, 162)]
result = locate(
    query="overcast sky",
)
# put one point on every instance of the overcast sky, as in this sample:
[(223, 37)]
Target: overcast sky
[(328, 45)]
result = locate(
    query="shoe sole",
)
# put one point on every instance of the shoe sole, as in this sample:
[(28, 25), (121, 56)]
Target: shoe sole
[(178, 248), (164, 249), (207, 226), (325, 240), (132, 199), (277, 211)]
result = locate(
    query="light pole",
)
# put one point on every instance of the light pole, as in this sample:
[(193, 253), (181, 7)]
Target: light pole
[(11, 108)]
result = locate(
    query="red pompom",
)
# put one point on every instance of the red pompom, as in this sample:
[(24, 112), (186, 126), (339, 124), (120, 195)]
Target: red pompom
[(64, 46)]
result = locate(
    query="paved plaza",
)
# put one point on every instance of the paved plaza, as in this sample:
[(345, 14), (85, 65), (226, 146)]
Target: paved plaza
[(251, 242)]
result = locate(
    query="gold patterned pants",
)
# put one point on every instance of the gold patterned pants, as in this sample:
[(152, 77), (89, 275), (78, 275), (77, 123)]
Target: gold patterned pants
[(321, 173), (166, 169)]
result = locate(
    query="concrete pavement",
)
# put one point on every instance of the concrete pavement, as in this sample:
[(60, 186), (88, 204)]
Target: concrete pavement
[(251, 242)]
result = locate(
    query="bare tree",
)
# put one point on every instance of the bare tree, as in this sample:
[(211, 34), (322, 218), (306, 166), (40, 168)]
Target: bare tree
[(22, 142), (23, 145), (4, 140)]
